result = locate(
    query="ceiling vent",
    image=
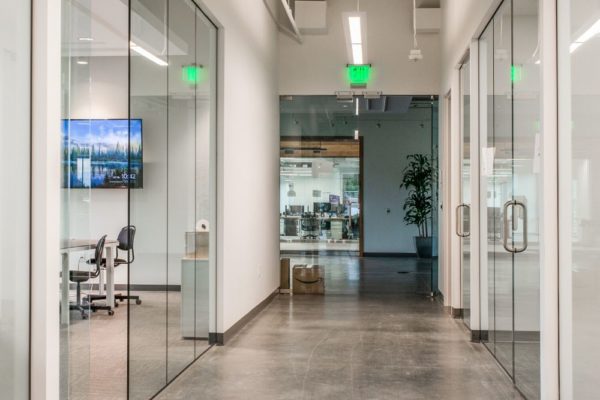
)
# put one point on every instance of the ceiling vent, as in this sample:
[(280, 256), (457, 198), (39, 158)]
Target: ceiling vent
[(311, 16)]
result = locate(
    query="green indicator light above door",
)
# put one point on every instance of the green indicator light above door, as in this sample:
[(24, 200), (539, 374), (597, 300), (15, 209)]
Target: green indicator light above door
[(516, 73), (359, 75), (192, 74)]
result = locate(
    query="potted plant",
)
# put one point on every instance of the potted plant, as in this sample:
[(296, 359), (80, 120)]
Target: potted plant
[(418, 179)]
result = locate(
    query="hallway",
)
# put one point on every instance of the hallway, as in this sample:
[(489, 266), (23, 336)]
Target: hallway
[(374, 335)]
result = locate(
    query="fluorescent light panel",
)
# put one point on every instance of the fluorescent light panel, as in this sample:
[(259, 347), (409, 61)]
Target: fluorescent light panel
[(355, 28), (143, 52), (357, 54)]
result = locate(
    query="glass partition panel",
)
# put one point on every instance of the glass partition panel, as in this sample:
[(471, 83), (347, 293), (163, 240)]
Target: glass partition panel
[(206, 183), (502, 184), (341, 165), (148, 205), (172, 277), (527, 188), (94, 133), (464, 211), (181, 179), (15, 175), (510, 122), (75, 205), (489, 222), (436, 196), (579, 166)]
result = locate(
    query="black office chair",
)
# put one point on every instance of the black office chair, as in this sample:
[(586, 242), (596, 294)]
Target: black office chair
[(125, 239), (78, 277)]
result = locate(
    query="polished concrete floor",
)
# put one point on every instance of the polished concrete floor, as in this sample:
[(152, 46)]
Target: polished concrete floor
[(374, 335)]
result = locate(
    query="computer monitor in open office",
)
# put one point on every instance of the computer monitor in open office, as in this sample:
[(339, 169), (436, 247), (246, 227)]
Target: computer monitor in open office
[(322, 207), (296, 210)]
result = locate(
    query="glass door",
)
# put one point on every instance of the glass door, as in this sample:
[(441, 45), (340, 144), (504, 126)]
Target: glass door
[(510, 104), (525, 75), (463, 220)]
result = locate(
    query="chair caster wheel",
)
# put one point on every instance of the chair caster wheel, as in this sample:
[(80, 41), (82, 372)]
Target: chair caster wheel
[(84, 316), (116, 304), (138, 302), (111, 312)]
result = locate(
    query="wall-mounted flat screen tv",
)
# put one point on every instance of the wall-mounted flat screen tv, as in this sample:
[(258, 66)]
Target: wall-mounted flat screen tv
[(102, 153)]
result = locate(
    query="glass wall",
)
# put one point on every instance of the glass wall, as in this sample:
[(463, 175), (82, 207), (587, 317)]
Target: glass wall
[(15, 173), (510, 135), (579, 162), (139, 170), (94, 136), (342, 159), (320, 201), (172, 90), (464, 209)]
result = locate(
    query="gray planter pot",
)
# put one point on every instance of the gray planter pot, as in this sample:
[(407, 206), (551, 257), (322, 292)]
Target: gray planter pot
[(424, 247)]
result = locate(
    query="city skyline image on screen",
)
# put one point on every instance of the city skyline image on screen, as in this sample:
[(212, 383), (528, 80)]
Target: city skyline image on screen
[(96, 153)]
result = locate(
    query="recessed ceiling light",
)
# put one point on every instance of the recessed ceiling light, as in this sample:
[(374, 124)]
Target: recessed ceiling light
[(86, 39), (82, 62)]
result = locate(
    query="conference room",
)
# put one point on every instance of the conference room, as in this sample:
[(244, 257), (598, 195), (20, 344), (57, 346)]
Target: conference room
[(137, 212)]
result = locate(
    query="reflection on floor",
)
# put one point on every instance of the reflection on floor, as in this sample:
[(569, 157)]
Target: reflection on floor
[(98, 349), (374, 335)]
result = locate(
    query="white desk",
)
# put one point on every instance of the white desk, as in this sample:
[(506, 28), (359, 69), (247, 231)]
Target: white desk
[(78, 245)]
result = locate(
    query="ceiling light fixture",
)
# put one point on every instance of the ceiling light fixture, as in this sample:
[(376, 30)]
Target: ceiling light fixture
[(355, 27), (145, 53), (587, 35), (355, 31), (86, 39), (291, 192), (82, 62)]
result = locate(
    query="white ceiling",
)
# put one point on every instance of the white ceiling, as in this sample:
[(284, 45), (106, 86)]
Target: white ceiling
[(107, 22)]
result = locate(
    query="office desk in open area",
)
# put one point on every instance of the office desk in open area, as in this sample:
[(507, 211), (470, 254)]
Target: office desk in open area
[(81, 245)]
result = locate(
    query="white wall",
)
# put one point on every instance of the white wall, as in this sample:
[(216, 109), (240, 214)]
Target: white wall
[(248, 254), (317, 66), (460, 21), (385, 151)]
